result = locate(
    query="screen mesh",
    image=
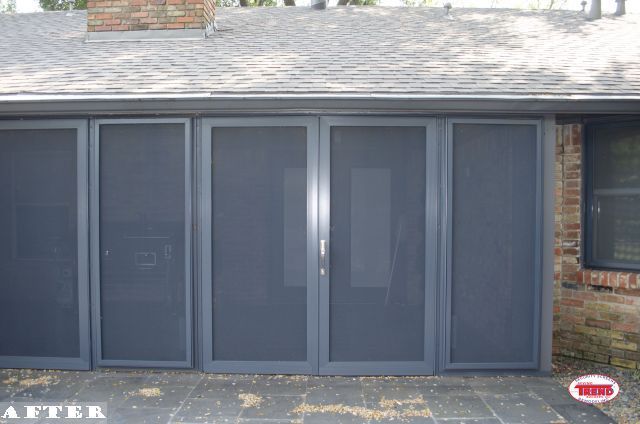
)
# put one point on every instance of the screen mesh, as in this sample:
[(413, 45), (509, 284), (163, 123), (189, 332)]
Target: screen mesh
[(377, 246), (142, 242), (494, 238), (259, 233), (38, 243)]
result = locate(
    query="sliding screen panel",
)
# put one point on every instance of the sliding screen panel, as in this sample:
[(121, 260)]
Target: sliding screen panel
[(259, 293), (144, 280), (379, 278), (43, 244), (494, 247)]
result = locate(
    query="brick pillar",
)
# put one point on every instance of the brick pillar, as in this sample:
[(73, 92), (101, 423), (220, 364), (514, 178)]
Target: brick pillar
[(596, 313)]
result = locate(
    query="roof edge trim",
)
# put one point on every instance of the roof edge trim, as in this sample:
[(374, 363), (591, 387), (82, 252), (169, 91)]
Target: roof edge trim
[(10, 98), (262, 104)]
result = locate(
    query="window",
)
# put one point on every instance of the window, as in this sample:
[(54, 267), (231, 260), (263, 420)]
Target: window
[(613, 196)]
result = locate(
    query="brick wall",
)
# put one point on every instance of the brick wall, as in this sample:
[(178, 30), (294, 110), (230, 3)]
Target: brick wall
[(137, 15), (596, 313)]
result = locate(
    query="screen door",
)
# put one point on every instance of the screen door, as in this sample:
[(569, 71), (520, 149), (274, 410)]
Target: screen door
[(259, 296), (44, 289), (378, 203), (142, 252)]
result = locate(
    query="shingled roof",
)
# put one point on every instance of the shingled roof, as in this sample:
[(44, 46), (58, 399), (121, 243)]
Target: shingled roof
[(359, 51)]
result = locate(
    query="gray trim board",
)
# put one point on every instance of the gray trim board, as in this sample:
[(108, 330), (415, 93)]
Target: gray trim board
[(548, 240), (95, 247), (206, 336), (207, 103), (446, 248), (196, 240), (427, 366), (441, 292), (83, 362)]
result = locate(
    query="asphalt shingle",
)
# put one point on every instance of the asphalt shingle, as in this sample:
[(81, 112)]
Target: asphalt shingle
[(363, 51)]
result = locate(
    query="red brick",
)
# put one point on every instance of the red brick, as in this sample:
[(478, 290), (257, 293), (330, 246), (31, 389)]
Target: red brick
[(573, 319), (572, 302), (572, 235), (584, 295), (628, 292), (598, 324), (629, 328), (623, 280)]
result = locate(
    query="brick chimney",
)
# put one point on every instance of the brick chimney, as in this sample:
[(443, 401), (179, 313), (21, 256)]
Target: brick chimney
[(139, 19)]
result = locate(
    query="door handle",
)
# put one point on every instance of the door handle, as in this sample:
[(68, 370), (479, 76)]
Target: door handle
[(323, 257)]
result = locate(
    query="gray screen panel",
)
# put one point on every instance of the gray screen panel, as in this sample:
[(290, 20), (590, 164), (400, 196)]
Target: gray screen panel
[(259, 239), (377, 244), (142, 242), (39, 314), (493, 288)]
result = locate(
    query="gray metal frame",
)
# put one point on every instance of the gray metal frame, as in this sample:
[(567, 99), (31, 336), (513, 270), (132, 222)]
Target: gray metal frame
[(95, 246), (83, 362), (548, 240), (427, 366), (206, 336), (446, 249)]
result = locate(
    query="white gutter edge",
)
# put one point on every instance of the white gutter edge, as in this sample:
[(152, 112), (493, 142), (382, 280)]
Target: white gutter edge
[(14, 98)]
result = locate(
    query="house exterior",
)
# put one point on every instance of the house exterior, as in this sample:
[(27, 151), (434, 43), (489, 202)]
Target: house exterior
[(353, 191)]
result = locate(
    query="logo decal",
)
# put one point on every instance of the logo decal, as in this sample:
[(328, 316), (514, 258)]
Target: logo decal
[(594, 388)]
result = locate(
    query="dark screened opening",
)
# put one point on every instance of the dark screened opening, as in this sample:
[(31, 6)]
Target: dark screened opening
[(377, 246), (142, 242), (259, 243), (38, 243), (493, 286), (613, 196)]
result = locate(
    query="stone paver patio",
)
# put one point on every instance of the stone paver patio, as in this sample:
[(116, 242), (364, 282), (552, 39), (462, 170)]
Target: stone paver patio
[(174, 397)]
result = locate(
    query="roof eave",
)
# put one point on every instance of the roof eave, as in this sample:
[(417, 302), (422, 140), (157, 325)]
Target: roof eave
[(224, 103)]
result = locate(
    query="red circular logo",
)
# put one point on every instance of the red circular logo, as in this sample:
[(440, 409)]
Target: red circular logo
[(594, 388)]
